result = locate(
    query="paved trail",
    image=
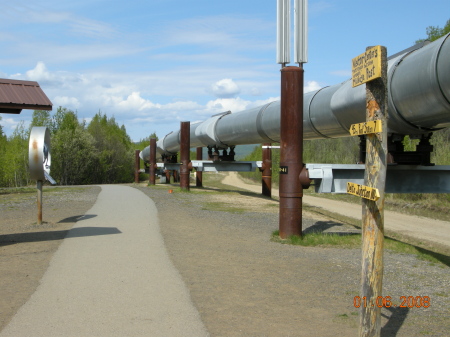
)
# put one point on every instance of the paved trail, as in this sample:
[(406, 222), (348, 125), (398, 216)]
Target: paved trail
[(424, 229), (111, 276)]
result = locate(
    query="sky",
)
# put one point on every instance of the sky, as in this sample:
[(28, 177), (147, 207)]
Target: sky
[(151, 64)]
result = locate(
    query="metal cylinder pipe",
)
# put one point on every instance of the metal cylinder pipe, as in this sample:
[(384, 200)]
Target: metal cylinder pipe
[(291, 152), (419, 103)]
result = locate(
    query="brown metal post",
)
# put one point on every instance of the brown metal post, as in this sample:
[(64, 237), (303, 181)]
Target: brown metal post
[(185, 145), (199, 174), (373, 211), (39, 202), (137, 162), (291, 151), (152, 162), (167, 173), (266, 173)]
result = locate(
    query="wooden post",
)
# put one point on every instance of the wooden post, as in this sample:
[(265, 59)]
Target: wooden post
[(39, 202), (373, 211)]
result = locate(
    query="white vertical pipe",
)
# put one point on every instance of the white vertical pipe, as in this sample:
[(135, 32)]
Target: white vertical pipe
[(301, 31), (283, 31)]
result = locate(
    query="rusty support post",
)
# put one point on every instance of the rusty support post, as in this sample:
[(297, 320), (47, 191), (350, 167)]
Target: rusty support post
[(291, 151), (39, 202), (137, 162), (152, 162), (167, 173), (266, 173), (373, 211), (199, 174), (185, 145)]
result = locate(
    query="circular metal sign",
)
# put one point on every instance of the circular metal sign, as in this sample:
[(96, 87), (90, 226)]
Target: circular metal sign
[(39, 157)]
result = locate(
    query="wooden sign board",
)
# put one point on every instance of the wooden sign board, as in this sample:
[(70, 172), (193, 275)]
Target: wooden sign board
[(365, 128), (367, 66), (363, 191)]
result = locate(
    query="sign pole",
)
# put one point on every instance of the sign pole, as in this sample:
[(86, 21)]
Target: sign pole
[(39, 202), (373, 210)]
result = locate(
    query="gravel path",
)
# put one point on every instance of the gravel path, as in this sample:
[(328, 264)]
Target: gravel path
[(110, 277), (245, 285), (241, 283)]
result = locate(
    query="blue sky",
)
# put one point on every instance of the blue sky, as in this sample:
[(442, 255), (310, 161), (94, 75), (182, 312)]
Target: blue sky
[(154, 63)]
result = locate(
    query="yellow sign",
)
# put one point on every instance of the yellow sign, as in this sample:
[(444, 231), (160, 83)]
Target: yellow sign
[(365, 128), (363, 191), (366, 67)]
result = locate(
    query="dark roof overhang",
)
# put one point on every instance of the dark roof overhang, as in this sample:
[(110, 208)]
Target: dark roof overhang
[(16, 95)]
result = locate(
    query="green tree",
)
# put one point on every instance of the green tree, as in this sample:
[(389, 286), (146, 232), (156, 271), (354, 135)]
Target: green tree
[(143, 143), (41, 118), (14, 161), (434, 33), (115, 151), (73, 150)]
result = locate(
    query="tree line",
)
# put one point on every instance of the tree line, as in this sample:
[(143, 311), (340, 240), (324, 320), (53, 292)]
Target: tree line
[(98, 152)]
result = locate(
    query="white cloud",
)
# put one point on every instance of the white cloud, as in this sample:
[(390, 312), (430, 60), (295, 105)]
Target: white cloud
[(9, 124), (311, 86), (225, 88), (225, 104), (39, 73), (67, 102)]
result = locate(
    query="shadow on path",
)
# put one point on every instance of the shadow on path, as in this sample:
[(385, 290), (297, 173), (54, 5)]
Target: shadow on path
[(77, 218), (395, 321), (10, 239)]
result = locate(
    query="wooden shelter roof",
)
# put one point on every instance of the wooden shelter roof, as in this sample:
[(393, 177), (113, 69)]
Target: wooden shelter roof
[(16, 95)]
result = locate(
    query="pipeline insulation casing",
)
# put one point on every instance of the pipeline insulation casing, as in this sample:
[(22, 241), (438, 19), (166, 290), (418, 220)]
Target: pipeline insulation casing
[(418, 103)]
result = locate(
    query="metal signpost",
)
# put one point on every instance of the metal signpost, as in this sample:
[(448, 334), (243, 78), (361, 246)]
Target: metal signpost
[(371, 68)]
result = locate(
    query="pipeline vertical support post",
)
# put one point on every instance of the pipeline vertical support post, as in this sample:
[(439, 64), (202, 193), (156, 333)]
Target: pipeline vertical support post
[(137, 163), (373, 211), (152, 162), (199, 174), (291, 151), (266, 173), (39, 202), (185, 145)]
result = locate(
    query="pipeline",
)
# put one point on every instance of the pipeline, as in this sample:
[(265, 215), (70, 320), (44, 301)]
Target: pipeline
[(419, 103)]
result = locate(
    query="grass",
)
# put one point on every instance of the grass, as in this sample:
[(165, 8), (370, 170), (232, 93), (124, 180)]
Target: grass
[(221, 207), (354, 241)]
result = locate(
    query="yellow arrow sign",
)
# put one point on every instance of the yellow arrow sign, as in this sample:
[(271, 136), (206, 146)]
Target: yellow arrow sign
[(363, 191), (365, 128)]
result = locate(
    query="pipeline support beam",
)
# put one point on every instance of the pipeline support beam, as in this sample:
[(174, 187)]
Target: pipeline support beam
[(266, 170), (199, 174), (291, 152), (136, 166), (152, 168), (185, 146)]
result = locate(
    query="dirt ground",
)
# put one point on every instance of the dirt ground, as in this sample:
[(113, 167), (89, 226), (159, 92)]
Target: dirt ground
[(242, 283), (25, 247)]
